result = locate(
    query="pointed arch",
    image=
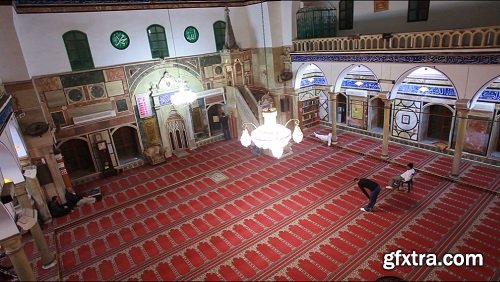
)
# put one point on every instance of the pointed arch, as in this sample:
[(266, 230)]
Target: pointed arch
[(394, 91), (347, 70), (306, 69), (476, 96)]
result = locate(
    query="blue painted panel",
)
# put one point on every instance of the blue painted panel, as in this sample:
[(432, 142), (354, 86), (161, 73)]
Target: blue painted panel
[(318, 80), (367, 85), (165, 99), (490, 95), (438, 91)]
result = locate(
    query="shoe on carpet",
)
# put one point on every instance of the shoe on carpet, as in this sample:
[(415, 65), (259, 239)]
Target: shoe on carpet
[(388, 187), (363, 209)]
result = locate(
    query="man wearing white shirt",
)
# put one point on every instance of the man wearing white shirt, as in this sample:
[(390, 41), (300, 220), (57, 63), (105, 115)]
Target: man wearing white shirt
[(405, 176), (324, 137)]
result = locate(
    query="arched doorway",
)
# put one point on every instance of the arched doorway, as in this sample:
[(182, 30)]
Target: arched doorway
[(423, 101), (359, 83), (77, 158), (311, 87), (437, 123), (214, 112), (341, 108), (126, 144), (376, 115)]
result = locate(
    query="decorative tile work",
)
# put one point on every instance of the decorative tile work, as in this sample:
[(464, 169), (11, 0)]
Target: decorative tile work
[(114, 74), (121, 105), (490, 95), (165, 99), (406, 119), (367, 85), (318, 80), (438, 91), (48, 84), (77, 79), (486, 59)]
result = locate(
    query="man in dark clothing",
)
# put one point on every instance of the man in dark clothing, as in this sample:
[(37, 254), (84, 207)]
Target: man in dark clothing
[(56, 209), (72, 199), (225, 126), (374, 188)]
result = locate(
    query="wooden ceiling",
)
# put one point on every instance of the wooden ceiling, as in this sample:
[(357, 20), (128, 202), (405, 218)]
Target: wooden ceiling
[(65, 6)]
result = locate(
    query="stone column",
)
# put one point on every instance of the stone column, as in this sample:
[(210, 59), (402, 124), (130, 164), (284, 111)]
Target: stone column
[(333, 105), (462, 114), (22, 195), (387, 116), (48, 259), (36, 192), (14, 249), (56, 177)]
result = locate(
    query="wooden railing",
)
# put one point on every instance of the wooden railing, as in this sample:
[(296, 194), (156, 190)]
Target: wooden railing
[(480, 37)]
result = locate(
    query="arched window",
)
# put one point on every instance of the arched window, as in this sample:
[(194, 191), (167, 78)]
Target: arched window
[(219, 34), (157, 41), (78, 49)]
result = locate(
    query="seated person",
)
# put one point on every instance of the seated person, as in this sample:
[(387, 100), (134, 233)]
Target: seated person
[(405, 176), (324, 137), (56, 209), (74, 199)]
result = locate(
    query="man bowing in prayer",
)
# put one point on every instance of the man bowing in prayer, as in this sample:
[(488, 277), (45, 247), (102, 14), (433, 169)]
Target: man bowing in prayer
[(374, 188)]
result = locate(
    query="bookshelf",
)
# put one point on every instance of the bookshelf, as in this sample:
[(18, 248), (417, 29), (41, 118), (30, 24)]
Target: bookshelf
[(308, 112)]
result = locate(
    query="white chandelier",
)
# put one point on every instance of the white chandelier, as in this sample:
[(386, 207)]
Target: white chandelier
[(271, 135), (183, 96)]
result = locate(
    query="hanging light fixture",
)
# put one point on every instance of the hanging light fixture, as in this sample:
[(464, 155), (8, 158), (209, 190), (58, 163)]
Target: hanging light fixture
[(183, 95), (358, 83), (270, 135)]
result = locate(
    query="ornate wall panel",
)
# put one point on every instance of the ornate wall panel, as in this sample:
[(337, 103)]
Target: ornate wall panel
[(406, 119)]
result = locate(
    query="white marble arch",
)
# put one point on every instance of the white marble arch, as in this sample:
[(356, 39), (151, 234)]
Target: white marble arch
[(343, 73), (473, 100), (304, 69), (394, 91)]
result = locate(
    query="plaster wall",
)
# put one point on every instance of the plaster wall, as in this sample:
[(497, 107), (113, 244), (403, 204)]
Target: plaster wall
[(12, 65), (40, 35), (442, 15)]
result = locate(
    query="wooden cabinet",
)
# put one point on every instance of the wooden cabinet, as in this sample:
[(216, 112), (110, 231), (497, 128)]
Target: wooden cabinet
[(309, 112), (107, 167)]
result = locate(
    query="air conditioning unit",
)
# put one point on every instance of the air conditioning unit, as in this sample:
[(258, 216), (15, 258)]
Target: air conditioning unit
[(94, 116), (357, 92)]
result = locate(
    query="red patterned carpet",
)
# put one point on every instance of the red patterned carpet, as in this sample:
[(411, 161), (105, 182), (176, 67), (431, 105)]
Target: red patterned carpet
[(221, 213)]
